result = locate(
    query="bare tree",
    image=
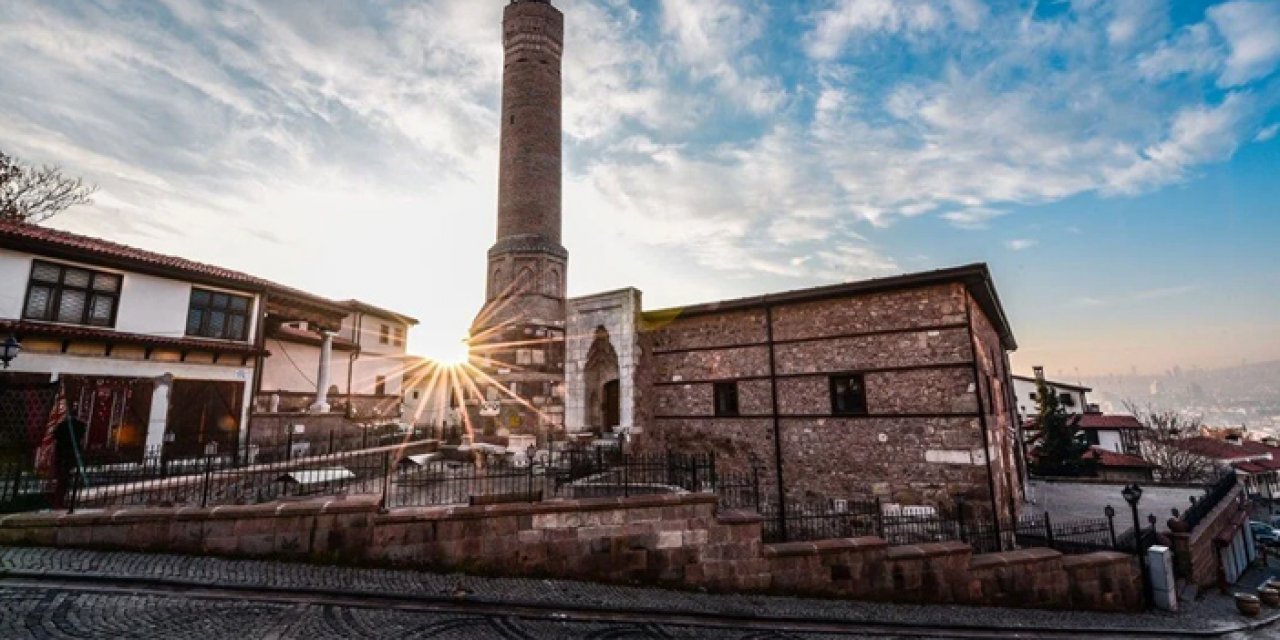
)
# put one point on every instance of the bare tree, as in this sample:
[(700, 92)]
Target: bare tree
[(1163, 444), (35, 194)]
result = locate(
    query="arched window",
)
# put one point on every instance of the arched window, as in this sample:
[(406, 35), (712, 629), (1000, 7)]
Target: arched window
[(525, 281), (495, 283), (553, 283)]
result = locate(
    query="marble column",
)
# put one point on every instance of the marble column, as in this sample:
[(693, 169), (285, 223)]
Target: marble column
[(321, 405)]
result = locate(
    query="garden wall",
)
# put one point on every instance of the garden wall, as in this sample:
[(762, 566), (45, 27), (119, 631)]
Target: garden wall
[(671, 540)]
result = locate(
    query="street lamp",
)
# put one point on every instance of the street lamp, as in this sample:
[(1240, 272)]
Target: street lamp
[(1133, 494), (9, 350)]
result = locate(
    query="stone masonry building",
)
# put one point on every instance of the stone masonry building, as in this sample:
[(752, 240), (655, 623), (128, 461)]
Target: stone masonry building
[(518, 337), (897, 388)]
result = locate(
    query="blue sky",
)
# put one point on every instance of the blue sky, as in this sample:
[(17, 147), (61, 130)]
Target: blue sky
[(1115, 162)]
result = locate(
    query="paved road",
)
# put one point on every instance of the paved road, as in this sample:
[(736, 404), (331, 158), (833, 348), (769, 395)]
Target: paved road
[(52, 593), (60, 612)]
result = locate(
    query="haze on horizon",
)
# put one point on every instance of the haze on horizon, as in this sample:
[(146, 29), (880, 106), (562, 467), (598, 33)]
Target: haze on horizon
[(1114, 162)]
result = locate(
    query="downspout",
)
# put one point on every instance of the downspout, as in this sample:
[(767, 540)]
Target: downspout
[(261, 343), (982, 419), (351, 359), (1012, 399), (777, 424)]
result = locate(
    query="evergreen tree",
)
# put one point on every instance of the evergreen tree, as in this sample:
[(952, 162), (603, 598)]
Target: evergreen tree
[(1063, 449)]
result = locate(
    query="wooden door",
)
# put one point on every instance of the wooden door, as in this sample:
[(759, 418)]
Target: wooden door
[(612, 404)]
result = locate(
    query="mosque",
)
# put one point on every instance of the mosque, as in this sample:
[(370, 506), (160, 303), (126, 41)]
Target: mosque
[(897, 388)]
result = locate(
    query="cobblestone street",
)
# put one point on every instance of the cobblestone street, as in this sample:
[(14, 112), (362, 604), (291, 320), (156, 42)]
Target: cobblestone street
[(48, 593)]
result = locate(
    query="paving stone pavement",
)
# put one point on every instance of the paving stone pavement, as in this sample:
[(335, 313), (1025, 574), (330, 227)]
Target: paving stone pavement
[(50, 613), (213, 619)]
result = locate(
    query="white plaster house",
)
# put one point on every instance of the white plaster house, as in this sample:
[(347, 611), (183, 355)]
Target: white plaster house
[(152, 350), (366, 369), (1074, 398)]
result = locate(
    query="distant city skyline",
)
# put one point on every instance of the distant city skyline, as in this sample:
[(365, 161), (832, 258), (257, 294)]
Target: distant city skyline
[(1114, 162)]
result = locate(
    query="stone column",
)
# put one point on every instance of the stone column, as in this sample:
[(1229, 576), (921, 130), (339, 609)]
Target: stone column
[(321, 405), (157, 421)]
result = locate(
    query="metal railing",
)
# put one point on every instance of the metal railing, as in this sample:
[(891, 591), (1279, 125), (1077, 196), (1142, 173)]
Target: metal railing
[(1216, 492)]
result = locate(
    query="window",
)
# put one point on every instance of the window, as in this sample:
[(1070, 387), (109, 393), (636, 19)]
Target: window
[(399, 337), (848, 396), (416, 394), (384, 335), (380, 385), (726, 397), (214, 314), (58, 293), (1067, 399)]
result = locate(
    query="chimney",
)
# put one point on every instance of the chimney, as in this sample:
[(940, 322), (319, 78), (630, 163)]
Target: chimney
[(1039, 373)]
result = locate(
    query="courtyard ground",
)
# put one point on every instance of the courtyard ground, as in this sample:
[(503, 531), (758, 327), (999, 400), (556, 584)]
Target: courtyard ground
[(49, 593), (1069, 500)]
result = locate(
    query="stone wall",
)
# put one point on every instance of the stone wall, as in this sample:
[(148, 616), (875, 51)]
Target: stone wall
[(935, 374), (1195, 556), (671, 540), (617, 313)]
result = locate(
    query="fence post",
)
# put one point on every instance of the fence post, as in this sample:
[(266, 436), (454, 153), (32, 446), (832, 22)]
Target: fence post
[(1048, 531), (755, 487), (879, 518), (530, 493), (331, 442), (694, 482), (626, 480), (964, 537), (1111, 525), (386, 480), (208, 474)]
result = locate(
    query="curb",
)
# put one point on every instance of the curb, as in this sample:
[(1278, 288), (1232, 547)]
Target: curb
[(179, 585)]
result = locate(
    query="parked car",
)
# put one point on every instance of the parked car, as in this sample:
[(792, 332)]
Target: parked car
[(1265, 534)]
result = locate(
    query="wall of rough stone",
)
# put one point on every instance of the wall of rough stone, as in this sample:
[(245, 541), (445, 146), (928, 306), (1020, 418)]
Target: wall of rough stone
[(1195, 555), (994, 387), (671, 540), (921, 441)]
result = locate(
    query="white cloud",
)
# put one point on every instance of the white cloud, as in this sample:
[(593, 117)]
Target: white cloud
[(1252, 29), (975, 218), (1267, 133), (844, 21), (712, 37), (1195, 50), (1021, 244)]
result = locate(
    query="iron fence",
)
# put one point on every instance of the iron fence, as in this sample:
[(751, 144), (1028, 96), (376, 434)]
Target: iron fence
[(600, 472), (1215, 493)]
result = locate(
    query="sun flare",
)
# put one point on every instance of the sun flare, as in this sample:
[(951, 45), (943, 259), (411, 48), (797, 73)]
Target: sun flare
[(454, 354)]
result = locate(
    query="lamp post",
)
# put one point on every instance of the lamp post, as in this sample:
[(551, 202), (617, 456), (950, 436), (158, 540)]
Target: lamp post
[(9, 350), (1133, 494)]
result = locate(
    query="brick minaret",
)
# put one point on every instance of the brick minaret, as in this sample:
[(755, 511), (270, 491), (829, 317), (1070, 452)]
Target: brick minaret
[(518, 337)]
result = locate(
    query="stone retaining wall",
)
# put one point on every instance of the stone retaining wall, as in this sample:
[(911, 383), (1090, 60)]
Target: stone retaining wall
[(668, 540), (1195, 558)]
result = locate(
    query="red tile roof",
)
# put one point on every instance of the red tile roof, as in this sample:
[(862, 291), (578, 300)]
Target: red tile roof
[(1250, 468), (1099, 421), (1109, 458), (1223, 450), (72, 246), (1102, 421)]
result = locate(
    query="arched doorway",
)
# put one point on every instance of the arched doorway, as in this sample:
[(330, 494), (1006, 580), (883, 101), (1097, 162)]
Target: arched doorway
[(604, 396)]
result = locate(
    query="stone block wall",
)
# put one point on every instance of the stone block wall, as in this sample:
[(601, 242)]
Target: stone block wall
[(929, 396), (673, 540), (617, 312), (1195, 556)]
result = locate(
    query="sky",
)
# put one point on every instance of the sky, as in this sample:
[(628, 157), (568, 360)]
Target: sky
[(1116, 163)]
